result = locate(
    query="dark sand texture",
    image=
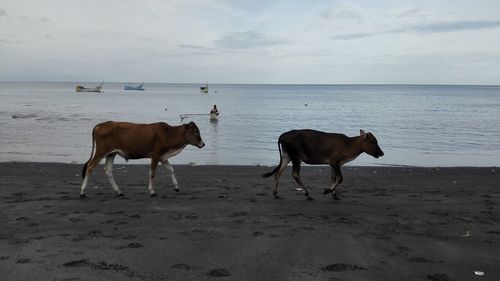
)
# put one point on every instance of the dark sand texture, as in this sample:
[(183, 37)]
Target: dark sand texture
[(391, 224)]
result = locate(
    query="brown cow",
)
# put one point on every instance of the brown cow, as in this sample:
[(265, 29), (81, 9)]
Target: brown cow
[(158, 141), (315, 147)]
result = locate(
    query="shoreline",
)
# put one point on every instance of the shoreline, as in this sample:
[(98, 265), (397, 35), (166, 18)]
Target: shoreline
[(393, 223), (303, 165)]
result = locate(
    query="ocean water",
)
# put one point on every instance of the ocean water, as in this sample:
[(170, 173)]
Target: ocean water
[(416, 125)]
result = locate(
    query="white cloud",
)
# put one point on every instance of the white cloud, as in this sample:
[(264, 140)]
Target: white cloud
[(246, 40)]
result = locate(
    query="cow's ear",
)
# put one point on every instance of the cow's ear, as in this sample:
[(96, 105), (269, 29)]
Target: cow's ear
[(361, 132)]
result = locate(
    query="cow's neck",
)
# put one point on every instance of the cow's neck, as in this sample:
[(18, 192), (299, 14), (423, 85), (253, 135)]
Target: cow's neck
[(355, 146), (176, 139)]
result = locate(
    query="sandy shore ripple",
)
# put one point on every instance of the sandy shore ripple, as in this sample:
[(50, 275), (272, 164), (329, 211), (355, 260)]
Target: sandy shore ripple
[(393, 223)]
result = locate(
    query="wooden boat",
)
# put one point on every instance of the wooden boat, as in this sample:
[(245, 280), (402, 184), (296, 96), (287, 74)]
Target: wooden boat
[(204, 89), (134, 88), (212, 116), (97, 89)]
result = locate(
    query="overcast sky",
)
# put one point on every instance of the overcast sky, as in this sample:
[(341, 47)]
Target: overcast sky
[(255, 41)]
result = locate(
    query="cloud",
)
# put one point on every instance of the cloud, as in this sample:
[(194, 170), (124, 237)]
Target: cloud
[(342, 13), (246, 40), (10, 42), (440, 27), (435, 27), (3, 13), (193, 47), (409, 13), (44, 19), (352, 36)]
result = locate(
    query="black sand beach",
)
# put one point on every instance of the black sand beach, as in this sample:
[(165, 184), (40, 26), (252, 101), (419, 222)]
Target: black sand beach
[(393, 223)]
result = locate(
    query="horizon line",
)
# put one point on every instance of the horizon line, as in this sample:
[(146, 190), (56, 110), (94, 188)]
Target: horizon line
[(270, 84)]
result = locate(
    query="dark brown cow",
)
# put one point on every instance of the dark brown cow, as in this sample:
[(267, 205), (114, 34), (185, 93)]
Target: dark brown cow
[(158, 141), (315, 147)]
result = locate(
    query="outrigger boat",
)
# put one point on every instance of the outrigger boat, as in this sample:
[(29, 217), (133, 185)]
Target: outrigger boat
[(97, 89), (134, 88), (213, 116), (204, 89)]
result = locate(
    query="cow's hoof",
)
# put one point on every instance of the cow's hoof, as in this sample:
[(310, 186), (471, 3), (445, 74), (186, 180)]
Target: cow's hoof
[(336, 197), (83, 196), (154, 194), (120, 195), (310, 198), (276, 196), (327, 190), (176, 189)]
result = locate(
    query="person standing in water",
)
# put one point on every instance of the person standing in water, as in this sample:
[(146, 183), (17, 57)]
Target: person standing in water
[(214, 113)]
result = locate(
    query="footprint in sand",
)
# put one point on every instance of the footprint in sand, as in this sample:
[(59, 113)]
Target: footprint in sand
[(77, 263), (24, 260), (95, 233), (238, 214), (130, 246), (419, 259), (184, 266), (77, 239), (129, 236), (438, 277), (342, 267), (218, 272), (102, 265), (19, 194)]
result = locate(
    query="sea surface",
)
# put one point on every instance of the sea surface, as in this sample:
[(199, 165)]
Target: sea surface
[(416, 125)]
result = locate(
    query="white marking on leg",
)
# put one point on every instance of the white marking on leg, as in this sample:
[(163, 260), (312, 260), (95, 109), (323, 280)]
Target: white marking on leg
[(335, 184), (108, 170), (150, 185), (170, 170), (285, 159), (84, 185)]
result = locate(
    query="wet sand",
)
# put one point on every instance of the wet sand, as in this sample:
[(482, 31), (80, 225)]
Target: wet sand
[(393, 223)]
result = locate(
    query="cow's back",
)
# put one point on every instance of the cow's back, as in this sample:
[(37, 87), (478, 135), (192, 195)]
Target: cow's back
[(133, 140), (311, 146)]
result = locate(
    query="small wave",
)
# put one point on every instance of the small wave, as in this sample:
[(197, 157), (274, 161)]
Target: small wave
[(54, 119), (24, 116)]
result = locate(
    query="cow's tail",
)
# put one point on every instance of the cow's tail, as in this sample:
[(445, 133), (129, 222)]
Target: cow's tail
[(84, 171), (266, 175)]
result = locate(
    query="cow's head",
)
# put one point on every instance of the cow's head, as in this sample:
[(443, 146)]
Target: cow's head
[(370, 144), (193, 136)]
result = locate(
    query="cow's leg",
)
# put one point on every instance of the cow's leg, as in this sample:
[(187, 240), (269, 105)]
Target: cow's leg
[(170, 170), (285, 159), (152, 173), (108, 170), (88, 172), (336, 181), (296, 177)]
